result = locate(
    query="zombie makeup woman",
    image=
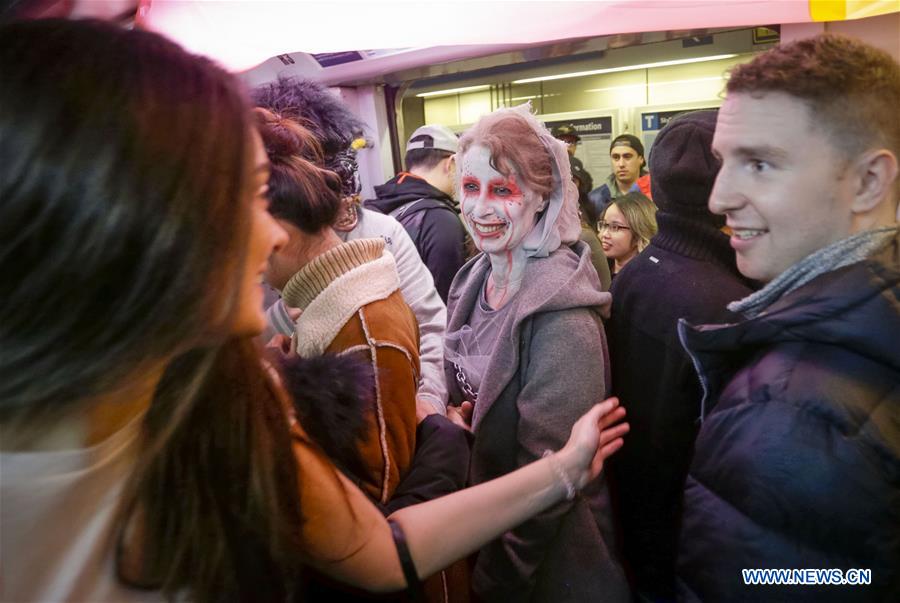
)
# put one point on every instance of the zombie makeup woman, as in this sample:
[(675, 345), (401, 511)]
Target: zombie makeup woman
[(526, 346)]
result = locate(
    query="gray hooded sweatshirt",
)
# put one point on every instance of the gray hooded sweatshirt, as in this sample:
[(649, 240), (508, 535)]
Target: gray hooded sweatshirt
[(548, 367)]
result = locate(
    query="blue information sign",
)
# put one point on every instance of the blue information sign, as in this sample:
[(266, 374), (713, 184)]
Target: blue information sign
[(659, 119)]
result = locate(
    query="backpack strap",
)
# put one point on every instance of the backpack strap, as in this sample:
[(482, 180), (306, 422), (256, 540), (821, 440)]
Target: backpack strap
[(399, 212), (402, 214)]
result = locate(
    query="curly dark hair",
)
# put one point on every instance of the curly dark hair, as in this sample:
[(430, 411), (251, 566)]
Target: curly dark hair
[(315, 108), (851, 87), (332, 124)]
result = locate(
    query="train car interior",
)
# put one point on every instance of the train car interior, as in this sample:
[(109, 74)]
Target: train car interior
[(605, 67)]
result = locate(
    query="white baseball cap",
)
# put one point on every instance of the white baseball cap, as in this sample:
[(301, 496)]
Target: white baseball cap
[(437, 137)]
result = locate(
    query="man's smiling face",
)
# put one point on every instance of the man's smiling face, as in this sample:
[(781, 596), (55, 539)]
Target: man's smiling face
[(781, 186)]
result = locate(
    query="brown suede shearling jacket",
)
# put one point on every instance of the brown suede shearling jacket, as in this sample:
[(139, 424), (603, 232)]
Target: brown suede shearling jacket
[(351, 304)]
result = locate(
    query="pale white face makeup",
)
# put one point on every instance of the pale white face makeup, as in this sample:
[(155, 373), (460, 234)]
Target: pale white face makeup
[(498, 211)]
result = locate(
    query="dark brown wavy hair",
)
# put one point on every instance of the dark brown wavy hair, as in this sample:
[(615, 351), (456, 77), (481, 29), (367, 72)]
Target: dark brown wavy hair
[(852, 89), (125, 174)]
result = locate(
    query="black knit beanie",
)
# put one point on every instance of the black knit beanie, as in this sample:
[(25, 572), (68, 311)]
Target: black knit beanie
[(683, 168), (627, 140)]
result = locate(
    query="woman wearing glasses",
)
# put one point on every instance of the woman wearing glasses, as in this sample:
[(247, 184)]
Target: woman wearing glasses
[(626, 227)]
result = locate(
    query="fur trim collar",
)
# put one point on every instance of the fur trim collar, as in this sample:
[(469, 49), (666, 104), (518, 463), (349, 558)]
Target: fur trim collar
[(333, 415)]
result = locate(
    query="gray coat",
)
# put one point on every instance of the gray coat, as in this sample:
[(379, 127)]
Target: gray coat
[(549, 367)]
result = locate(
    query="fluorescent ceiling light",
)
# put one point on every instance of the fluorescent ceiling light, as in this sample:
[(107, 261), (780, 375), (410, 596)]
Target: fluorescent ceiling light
[(453, 91), (533, 96), (561, 76), (657, 84)]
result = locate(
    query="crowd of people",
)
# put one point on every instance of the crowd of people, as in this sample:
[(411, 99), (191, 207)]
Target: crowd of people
[(225, 376)]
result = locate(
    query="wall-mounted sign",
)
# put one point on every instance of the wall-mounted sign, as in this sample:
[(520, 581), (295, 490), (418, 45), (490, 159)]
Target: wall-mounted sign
[(658, 119), (330, 59), (765, 35), (593, 150), (841, 10), (586, 125), (653, 122)]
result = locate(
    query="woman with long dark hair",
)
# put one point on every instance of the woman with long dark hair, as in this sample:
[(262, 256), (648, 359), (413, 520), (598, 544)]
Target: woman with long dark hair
[(146, 451)]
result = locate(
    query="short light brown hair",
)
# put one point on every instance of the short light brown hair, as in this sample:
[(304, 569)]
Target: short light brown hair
[(851, 88), (514, 147)]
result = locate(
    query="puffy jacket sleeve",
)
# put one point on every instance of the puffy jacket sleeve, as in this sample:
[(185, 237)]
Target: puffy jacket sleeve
[(563, 375)]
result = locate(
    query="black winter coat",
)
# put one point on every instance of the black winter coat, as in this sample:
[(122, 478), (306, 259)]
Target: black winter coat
[(687, 271), (797, 464), (432, 223)]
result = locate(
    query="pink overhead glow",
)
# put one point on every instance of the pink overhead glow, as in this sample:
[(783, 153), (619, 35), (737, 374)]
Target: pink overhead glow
[(241, 34)]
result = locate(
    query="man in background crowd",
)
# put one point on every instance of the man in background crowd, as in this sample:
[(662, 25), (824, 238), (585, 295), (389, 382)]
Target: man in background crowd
[(582, 178), (421, 199), (626, 154), (687, 271)]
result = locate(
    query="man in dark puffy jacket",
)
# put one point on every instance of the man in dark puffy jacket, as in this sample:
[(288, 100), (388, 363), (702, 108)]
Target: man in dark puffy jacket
[(797, 463), (421, 199)]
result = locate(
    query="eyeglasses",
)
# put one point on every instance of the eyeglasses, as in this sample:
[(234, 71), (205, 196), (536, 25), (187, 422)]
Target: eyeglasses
[(611, 226)]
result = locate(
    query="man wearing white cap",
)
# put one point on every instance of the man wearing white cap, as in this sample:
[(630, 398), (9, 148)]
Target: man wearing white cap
[(421, 200)]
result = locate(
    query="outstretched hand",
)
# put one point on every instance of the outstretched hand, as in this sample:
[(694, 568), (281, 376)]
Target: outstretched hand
[(594, 438)]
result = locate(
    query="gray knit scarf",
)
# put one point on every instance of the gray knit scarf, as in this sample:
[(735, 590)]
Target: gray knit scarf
[(837, 255)]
